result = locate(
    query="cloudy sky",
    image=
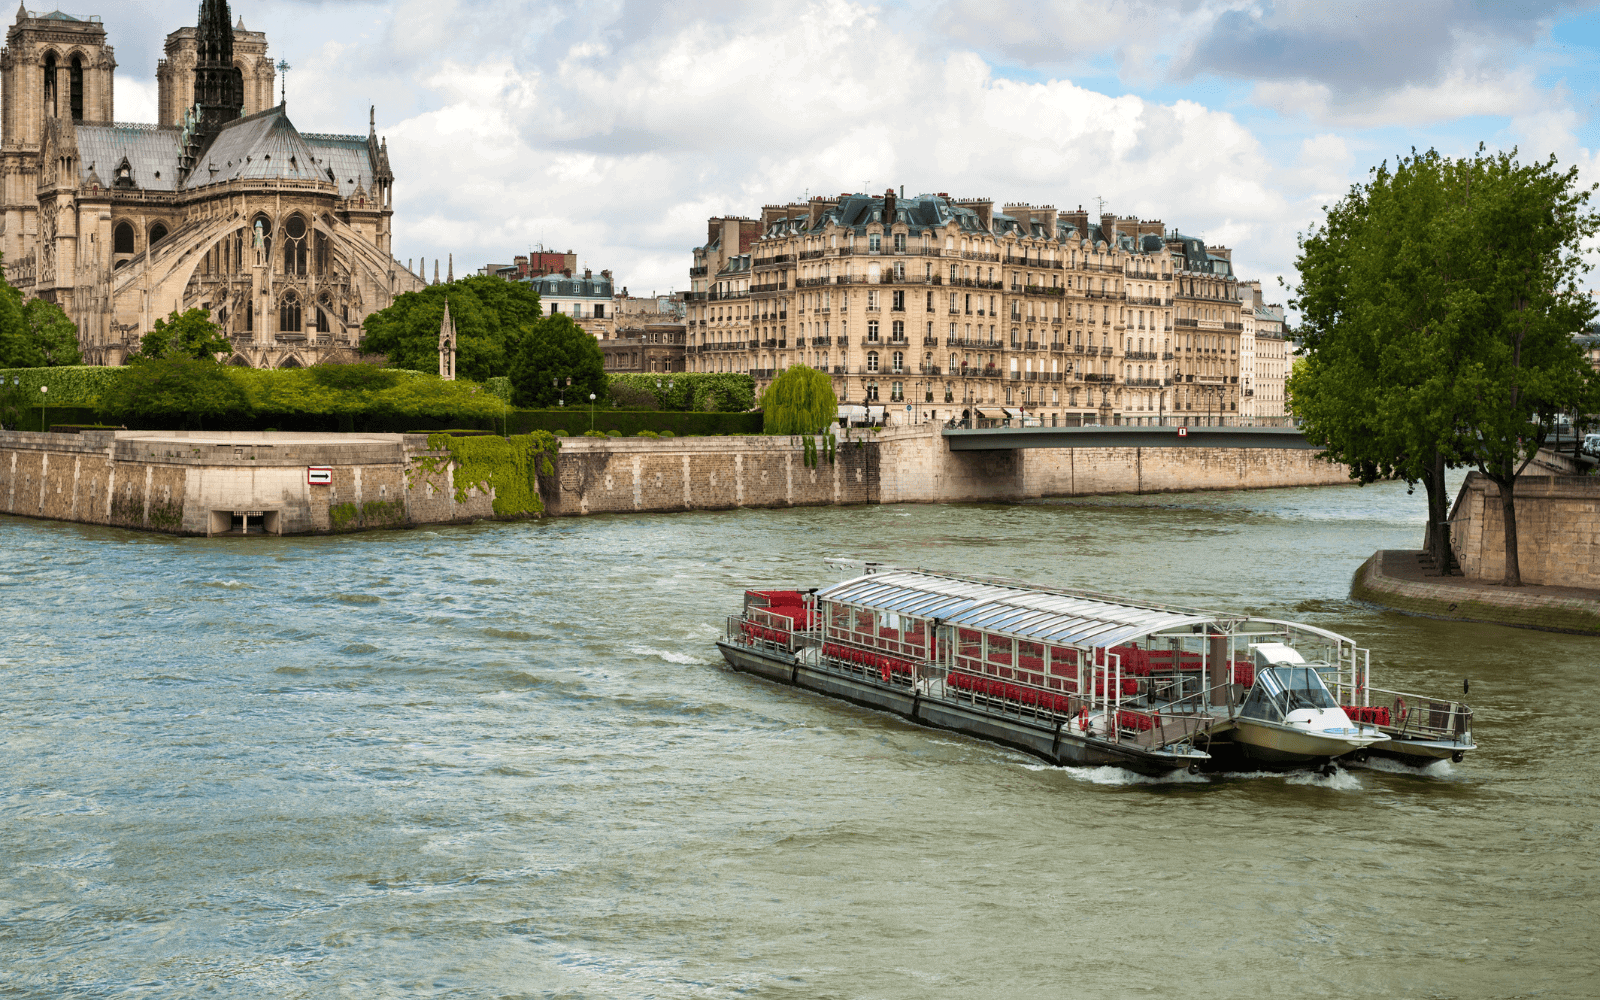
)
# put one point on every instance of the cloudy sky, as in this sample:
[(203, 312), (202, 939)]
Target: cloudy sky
[(615, 129)]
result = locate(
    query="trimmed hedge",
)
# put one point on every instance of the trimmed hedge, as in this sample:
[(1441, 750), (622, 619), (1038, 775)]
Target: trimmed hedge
[(70, 385), (725, 392), (629, 423), (56, 415)]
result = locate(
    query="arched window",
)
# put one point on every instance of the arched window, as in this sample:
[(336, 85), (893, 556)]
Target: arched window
[(289, 314), (872, 361), (77, 89), (294, 245), (291, 362), (50, 85), (122, 239), (322, 321), (158, 232), (266, 235)]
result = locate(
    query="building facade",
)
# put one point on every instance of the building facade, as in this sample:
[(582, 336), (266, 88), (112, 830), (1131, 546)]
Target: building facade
[(587, 300), (1273, 357), (649, 335), (961, 310), (223, 204)]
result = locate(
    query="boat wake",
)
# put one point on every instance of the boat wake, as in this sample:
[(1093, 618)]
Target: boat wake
[(1340, 780), (1108, 774), (667, 655), (1437, 769)]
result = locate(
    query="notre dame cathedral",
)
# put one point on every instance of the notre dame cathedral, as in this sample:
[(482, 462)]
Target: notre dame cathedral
[(223, 204)]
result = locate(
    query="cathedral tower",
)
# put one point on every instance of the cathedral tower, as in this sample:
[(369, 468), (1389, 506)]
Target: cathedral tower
[(175, 74), (53, 66)]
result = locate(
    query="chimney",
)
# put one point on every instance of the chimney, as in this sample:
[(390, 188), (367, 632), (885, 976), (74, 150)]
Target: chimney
[(888, 207), (606, 275), (1108, 226)]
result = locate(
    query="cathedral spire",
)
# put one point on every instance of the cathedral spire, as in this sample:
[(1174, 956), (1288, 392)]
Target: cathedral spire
[(218, 84), (447, 345), (450, 275)]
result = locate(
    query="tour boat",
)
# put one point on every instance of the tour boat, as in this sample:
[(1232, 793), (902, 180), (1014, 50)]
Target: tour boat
[(1076, 677)]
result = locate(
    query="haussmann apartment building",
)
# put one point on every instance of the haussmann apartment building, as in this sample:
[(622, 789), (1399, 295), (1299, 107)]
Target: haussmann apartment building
[(962, 311)]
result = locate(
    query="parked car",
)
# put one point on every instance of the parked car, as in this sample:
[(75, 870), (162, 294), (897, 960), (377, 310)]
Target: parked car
[(1591, 445)]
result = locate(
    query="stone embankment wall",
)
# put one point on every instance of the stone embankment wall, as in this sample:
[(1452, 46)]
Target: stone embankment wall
[(1558, 530), (1394, 579), (192, 483), (901, 465)]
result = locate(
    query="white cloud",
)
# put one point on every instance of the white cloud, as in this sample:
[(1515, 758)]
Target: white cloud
[(615, 129)]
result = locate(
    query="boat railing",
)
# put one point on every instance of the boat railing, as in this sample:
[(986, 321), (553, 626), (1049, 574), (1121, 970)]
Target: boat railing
[(748, 631), (1417, 715)]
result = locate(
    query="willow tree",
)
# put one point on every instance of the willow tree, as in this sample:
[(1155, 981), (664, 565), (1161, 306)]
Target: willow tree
[(799, 401)]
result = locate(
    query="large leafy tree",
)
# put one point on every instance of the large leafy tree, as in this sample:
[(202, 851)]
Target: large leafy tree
[(489, 313), (1372, 298), (1415, 359), (548, 353), (799, 401), (187, 334), (35, 333), (1523, 227)]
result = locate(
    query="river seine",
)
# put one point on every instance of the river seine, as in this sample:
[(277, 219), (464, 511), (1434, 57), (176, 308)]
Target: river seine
[(504, 760)]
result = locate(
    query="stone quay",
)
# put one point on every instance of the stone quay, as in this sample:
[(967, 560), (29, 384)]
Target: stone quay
[(209, 483)]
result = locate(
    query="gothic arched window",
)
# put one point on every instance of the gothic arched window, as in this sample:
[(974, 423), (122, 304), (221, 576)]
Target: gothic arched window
[(77, 89), (158, 232), (322, 321), (50, 85), (122, 239), (294, 245), (289, 314)]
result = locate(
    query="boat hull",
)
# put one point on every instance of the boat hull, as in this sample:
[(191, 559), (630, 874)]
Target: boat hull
[(1418, 752), (1288, 745), (1054, 743)]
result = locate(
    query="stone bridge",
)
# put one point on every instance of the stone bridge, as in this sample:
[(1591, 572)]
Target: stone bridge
[(1011, 438)]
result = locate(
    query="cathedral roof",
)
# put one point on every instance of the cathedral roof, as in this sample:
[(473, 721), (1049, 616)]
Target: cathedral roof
[(152, 154), (347, 157), (262, 146)]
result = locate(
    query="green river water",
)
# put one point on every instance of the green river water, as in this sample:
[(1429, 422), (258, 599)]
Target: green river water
[(504, 760)]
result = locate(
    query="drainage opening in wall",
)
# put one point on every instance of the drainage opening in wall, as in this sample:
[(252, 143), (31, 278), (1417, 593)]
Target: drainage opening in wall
[(245, 522)]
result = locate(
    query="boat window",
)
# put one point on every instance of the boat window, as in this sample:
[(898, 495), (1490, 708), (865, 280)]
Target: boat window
[(1281, 690), (1304, 689)]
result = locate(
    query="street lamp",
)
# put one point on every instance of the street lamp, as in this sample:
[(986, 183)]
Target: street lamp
[(591, 411), (42, 390)]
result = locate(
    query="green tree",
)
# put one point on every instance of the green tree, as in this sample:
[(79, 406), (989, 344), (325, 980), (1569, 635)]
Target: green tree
[(175, 386), (35, 333), (1524, 226), (549, 352), (489, 313), (799, 401), (189, 334), (1372, 299), (1436, 331)]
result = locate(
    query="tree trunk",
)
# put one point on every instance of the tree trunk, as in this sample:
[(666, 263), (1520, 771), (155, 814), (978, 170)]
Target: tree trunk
[(1436, 540), (1508, 516)]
